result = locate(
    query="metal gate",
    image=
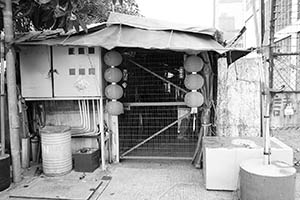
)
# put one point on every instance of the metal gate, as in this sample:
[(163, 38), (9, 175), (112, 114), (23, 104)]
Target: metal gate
[(156, 122)]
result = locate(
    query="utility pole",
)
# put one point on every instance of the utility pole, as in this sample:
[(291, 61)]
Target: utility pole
[(14, 125)]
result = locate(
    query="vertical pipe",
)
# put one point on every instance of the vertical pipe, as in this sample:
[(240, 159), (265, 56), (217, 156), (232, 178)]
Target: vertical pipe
[(2, 100), (14, 125), (101, 121)]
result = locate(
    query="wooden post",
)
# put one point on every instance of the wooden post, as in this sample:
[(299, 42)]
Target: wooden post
[(14, 125)]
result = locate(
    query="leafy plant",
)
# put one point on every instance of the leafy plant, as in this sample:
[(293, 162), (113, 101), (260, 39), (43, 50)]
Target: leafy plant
[(65, 14)]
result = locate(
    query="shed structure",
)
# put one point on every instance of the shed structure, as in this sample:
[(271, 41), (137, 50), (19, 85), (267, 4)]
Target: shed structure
[(64, 74)]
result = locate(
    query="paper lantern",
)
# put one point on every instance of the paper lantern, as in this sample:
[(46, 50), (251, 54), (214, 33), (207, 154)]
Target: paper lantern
[(113, 58), (193, 81), (113, 91), (114, 108), (113, 75), (193, 64), (193, 99)]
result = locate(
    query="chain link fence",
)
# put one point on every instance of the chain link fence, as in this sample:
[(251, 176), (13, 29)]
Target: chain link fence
[(286, 73), (286, 69)]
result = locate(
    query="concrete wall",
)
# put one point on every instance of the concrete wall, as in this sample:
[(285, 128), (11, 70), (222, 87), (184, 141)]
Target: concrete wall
[(238, 103)]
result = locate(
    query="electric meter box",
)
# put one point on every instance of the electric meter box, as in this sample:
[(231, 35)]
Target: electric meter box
[(60, 71)]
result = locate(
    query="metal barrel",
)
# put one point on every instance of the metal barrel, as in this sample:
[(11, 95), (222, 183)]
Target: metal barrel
[(4, 172), (56, 150)]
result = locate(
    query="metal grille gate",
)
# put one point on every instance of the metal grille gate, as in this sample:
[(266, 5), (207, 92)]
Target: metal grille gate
[(153, 105)]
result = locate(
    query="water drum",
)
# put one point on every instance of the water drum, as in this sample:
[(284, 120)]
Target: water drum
[(56, 150)]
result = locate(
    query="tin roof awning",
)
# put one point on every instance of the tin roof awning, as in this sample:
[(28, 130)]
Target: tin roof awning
[(138, 32)]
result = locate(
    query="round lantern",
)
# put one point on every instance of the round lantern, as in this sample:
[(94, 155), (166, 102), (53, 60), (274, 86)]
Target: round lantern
[(193, 81), (113, 75), (193, 99), (113, 58), (113, 91), (114, 108), (193, 64)]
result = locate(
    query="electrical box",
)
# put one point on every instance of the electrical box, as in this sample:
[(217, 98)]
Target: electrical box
[(60, 71), (35, 71), (76, 71)]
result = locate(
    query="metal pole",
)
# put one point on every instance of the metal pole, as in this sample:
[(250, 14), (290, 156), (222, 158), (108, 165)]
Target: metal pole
[(14, 125), (2, 99), (267, 147), (266, 92)]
